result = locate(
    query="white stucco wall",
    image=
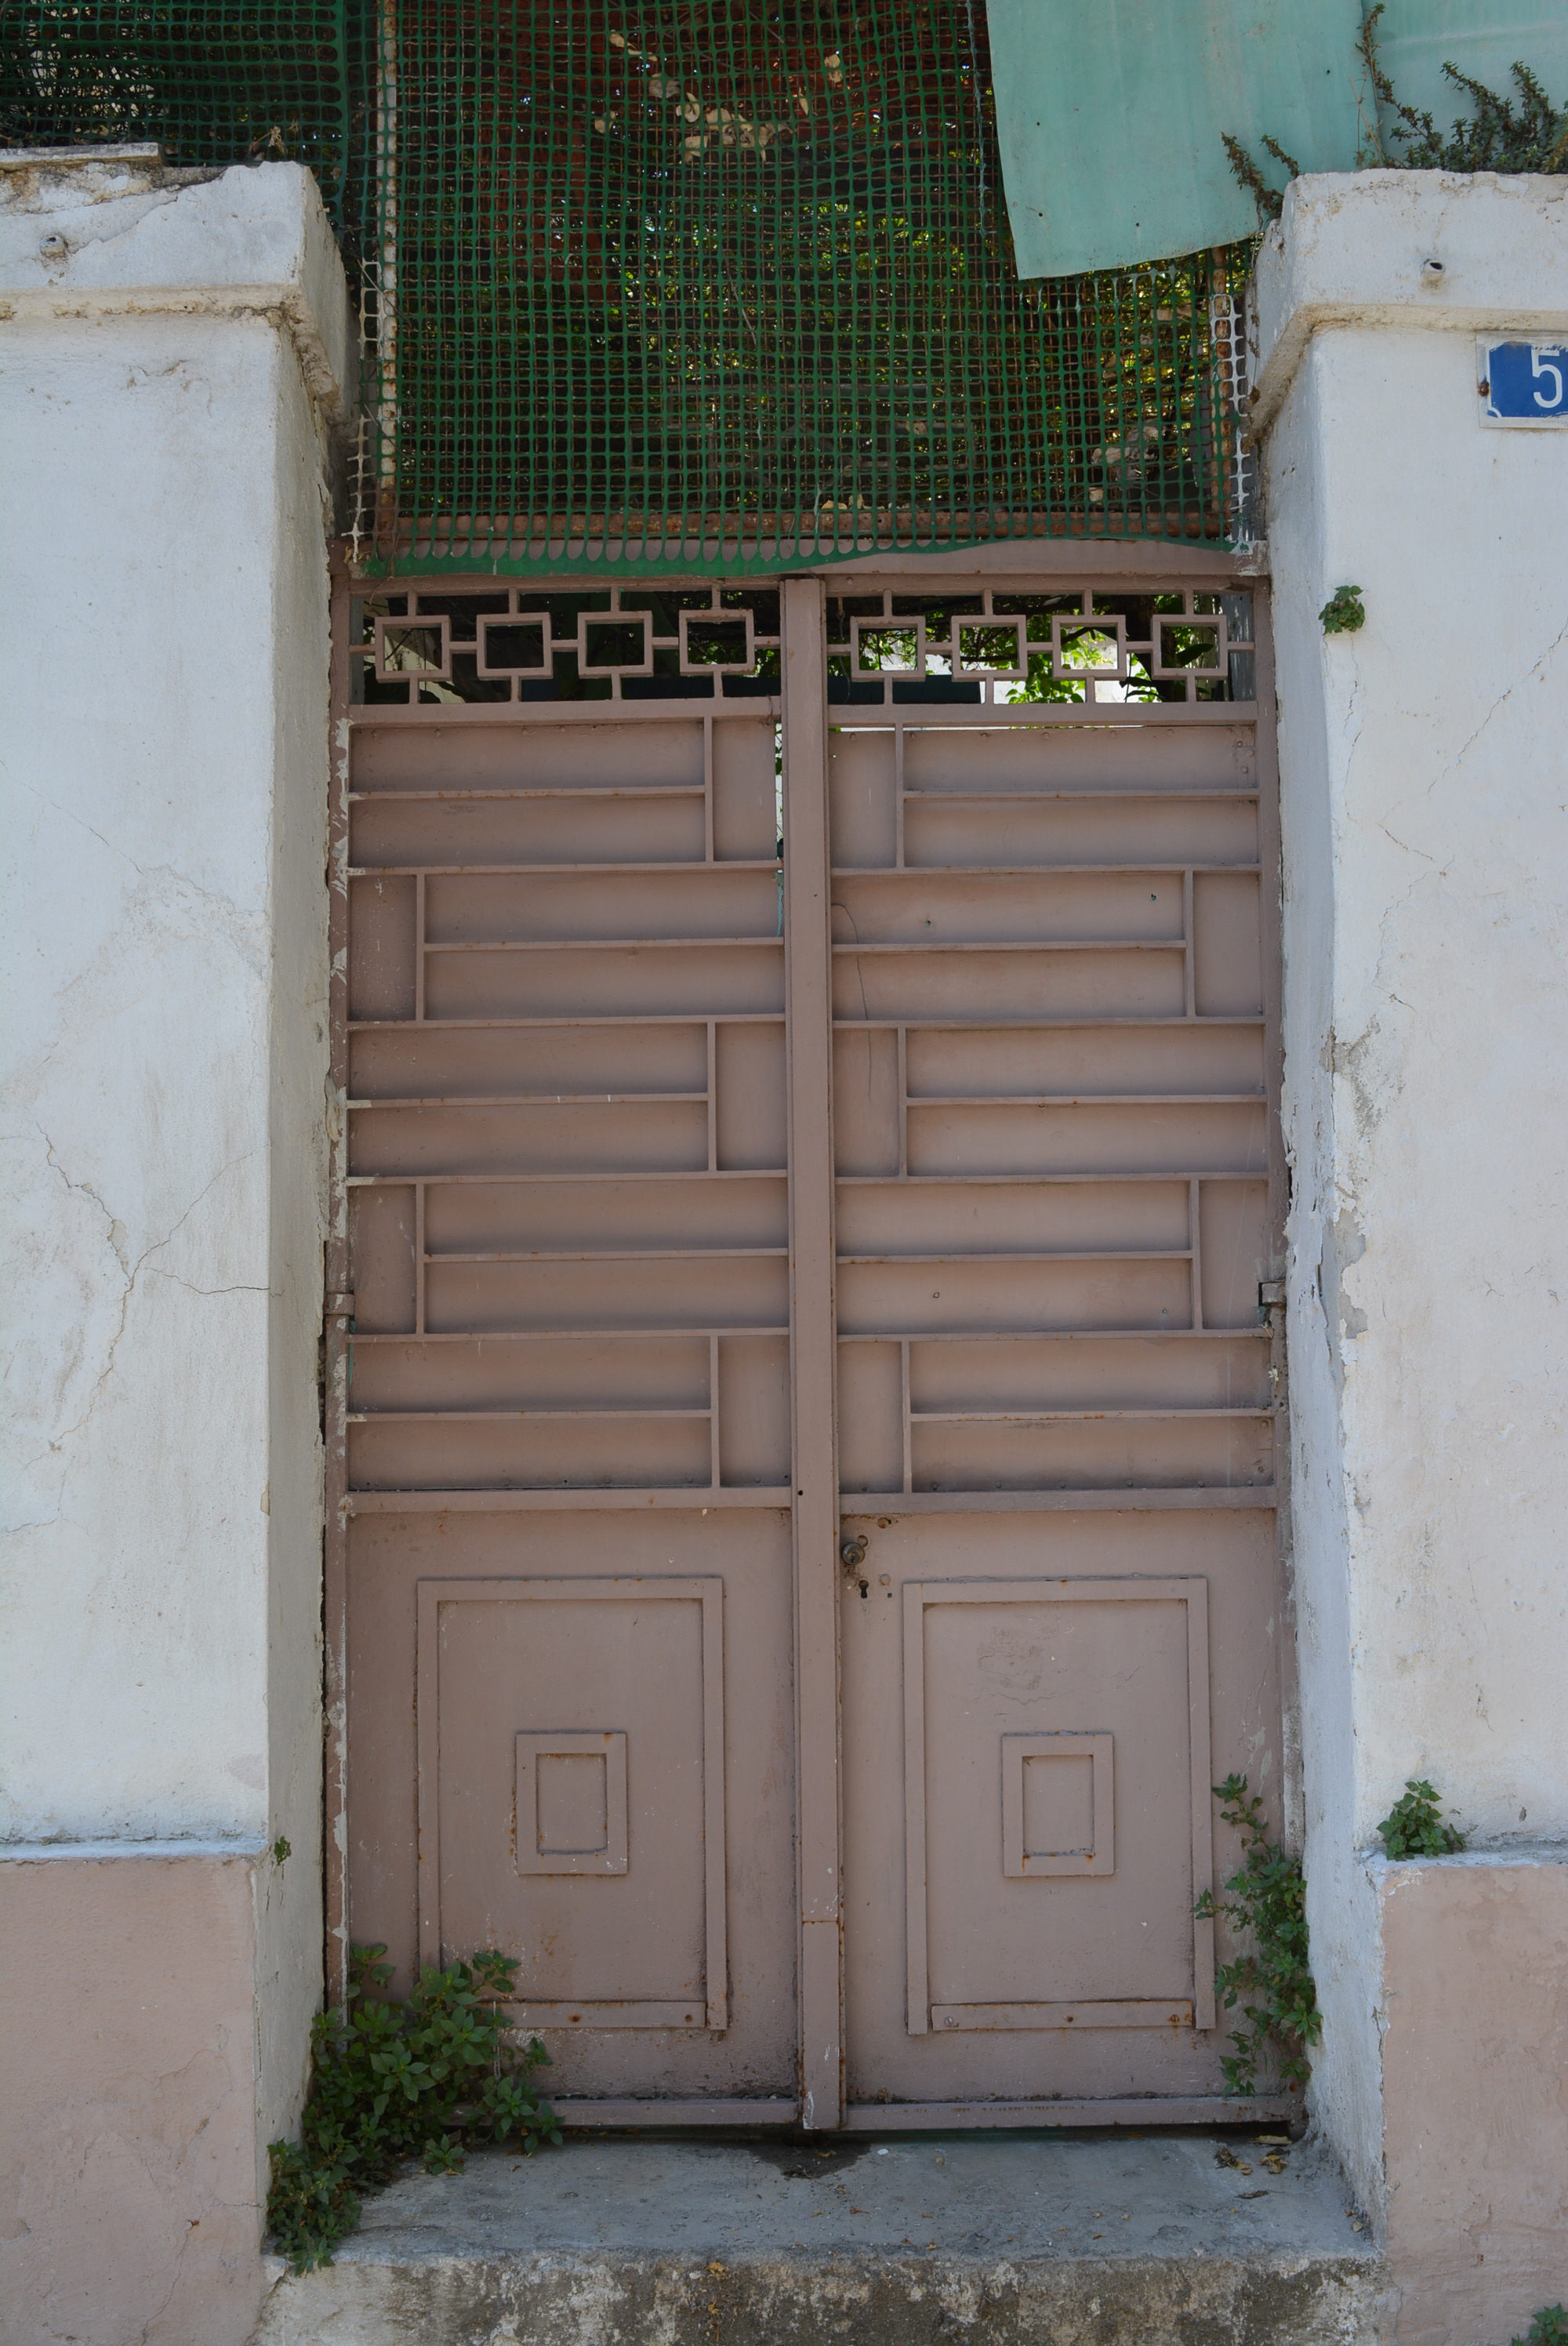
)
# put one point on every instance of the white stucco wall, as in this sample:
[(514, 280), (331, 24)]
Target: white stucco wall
[(169, 357), (1423, 768)]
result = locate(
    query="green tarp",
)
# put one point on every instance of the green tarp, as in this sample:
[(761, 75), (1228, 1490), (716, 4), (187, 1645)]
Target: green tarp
[(1112, 116)]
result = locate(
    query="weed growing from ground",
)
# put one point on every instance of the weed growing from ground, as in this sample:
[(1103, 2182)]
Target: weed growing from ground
[(1267, 1899), (393, 2081)]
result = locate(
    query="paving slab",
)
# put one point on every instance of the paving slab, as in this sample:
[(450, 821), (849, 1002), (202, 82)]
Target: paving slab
[(1184, 2239)]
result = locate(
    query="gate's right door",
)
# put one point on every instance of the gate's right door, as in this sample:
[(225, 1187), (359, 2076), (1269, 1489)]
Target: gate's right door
[(1054, 1144)]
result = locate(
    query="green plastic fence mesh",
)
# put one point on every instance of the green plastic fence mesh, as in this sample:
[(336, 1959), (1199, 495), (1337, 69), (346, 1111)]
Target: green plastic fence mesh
[(214, 85), (711, 285)]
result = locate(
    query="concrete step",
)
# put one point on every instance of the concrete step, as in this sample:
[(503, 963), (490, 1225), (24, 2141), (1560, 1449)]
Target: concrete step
[(1076, 2240)]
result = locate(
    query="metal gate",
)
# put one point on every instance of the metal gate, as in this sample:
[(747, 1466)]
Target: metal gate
[(802, 1394)]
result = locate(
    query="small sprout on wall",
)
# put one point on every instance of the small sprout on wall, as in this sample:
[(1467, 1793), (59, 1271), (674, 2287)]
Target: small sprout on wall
[(1413, 1828), (1548, 2327), (1343, 613), (282, 1849)]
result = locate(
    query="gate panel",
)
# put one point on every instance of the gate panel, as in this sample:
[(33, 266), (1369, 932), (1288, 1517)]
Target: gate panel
[(570, 1688), (845, 1089), (1054, 1139)]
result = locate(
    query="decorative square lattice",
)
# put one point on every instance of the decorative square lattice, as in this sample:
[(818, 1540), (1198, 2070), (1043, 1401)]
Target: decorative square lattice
[(900, 629), (1189, 625), (712, 627), (419, 648), (608, 633), (503, 636), (1068, 632)]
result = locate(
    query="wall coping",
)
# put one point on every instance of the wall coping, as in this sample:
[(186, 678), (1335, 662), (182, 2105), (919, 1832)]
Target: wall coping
[(241, 1848), (1520, 1854), (1349, 249), (115, 235)]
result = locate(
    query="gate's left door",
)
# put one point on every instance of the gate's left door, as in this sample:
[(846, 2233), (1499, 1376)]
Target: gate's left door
[(566, 1557)]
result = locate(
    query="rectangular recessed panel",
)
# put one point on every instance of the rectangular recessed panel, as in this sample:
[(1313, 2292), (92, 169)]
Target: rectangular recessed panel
[(1129, 1372), (943, 833), (1058, 1805), (1107, 762), (609, 981), (867, 1127), (1229, 976), (997, 1676), (745, 820), (383, 1241), (485, 908), (437, 1065), (1233, 1222), (571, 1801), (753, 1402), (735, 1292), (536, 1372), (749, 1131), (651, 827), (964, 1293), (507, 1451), (981, 1217), (972, 1136), (609, 1215), (608, 1136), (593, 1852), (455, 758), (863, 800), (1012, 982), (1004, 908), (871, 1418), (1089, 1062), (383, 955), (1091, 1452)]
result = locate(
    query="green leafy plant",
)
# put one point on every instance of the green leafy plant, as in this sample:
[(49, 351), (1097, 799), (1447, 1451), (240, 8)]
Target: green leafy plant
[(1414, 1828), (1344, 612), (392, 2081), (1523, 133), (1271, 201), (1267, 1899), (282, 1850), (1526, 134), (1548, 2327)]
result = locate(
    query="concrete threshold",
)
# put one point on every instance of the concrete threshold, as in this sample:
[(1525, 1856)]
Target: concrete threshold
[(1078, 2239)]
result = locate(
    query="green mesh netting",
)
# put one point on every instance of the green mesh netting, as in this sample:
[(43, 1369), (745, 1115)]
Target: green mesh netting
[(214, 85), (693, 284)]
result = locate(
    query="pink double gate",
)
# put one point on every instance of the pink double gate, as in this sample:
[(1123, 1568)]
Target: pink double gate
[(803, 1397)]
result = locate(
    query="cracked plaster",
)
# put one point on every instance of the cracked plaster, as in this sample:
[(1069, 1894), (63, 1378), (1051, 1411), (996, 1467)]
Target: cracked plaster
[(162, 1134), (1425, 875)]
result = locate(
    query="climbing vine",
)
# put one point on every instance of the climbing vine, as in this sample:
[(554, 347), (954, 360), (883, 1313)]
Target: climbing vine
[(393, 2081), (1264, 1899)]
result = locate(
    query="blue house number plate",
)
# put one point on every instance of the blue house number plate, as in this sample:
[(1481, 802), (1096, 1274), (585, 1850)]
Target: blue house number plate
[(1523, 383)]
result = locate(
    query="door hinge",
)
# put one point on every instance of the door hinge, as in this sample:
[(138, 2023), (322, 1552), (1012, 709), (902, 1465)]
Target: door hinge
[(1271, 1294), (337, 1307)]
